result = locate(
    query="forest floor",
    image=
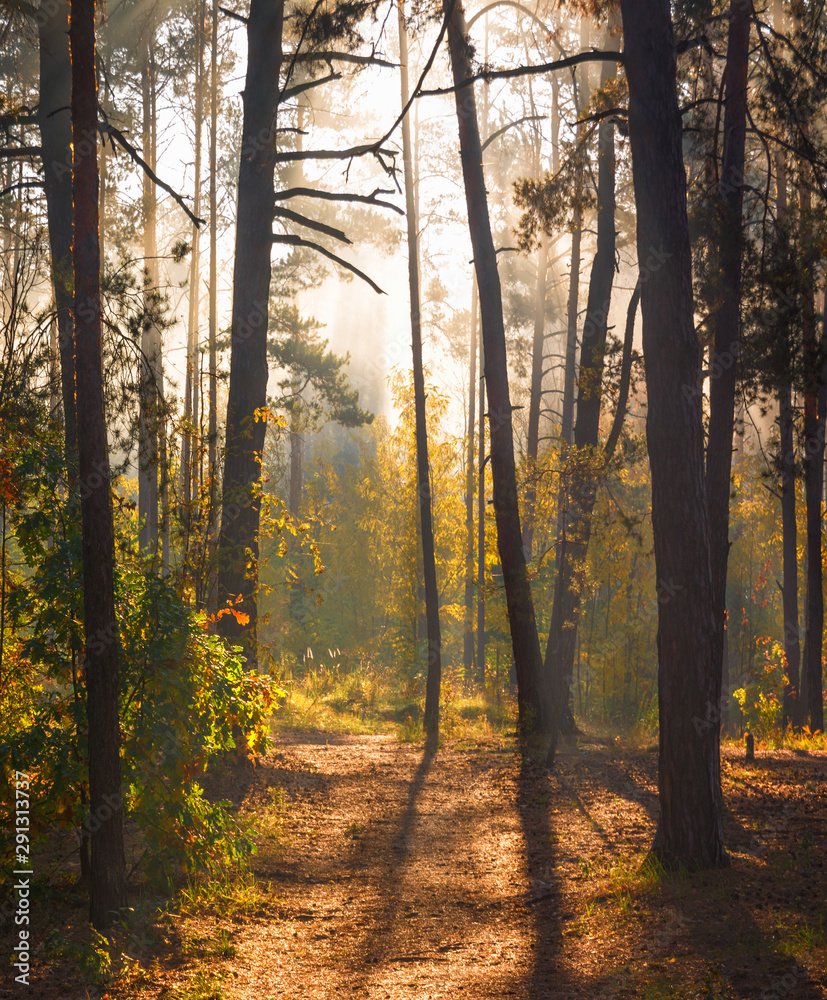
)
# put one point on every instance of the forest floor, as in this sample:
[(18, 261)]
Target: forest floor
[(387, 873)]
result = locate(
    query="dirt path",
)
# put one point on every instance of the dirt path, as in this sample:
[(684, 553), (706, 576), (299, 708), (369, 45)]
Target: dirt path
[(404, 875), (476, 874)]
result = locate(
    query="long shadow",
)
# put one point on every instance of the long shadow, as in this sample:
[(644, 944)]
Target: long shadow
[(537, 791), (706, 919), (373, 946)]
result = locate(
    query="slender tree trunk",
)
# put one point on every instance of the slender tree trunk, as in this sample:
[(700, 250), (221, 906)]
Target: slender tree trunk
[(54, 119), (690, 828), (296, 455), (245, 426), (468, 641), (583, 464), (533, 695), (815, 404), (191, 397), (790, 714), (481, 524), (789, 548), (150, 334), (108, 873), (213, 405), (727, 336), (434, 677), (535, 400)]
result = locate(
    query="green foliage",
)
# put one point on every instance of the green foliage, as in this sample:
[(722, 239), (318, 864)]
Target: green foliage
[(185, 697)]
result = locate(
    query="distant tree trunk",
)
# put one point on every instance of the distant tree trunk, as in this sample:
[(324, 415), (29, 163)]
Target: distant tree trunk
[(690, 828), (213, 405), (245, 426), (468, 641), (535, 399), (296, 455), (727, 335), (434, 677), (191, 395), (108, 870), (581, 472), (791, 708), (815, 405), (789, 547), (533, 694), (150, 334), (54, 119), (481, 524)]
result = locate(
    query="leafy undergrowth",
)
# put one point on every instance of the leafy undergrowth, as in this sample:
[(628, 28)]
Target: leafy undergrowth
[(382, 872), (325, 697)]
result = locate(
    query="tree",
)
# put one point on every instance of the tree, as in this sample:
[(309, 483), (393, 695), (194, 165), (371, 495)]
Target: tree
[(434, 677), (247, 400), (533, 694), (690, 828), (727, 323), (108, 869)]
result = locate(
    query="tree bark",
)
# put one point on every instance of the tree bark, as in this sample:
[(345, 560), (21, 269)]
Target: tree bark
[(150, 334), (54, 119), (815, 407), (727, 330), (583, 463), (213, 397), (247, 397), (481, 524), (107, 874), (533, 695), (789, 547), (434, 676), (191, 394), (690, 828), (535, 400), (468, 639)]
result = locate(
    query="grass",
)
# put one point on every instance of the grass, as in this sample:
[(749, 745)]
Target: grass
[(326, 697), (204, 985)]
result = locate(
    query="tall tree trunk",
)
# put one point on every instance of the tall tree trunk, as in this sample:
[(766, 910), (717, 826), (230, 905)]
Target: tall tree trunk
[(481, 524), (245, 426), (150, 334), (727, 335), (583, 464), (191, 395), (296, 455), (54, 119), (533, 695), (108, 870), (789, 548), (791, 707), (815, 403), (535, 399), (213, 398), (468, 639), (690, 828), (434, 676)]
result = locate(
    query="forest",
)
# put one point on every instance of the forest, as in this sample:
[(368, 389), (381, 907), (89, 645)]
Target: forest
[(412, 499)]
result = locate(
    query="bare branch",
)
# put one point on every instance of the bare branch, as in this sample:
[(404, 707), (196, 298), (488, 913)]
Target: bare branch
[(233, 15), (126, 145), (19, 152), (302, 220), (301, 87), (505, 128), (297, 241), (349, 57), (594, 55), (365, 199)]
